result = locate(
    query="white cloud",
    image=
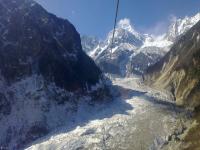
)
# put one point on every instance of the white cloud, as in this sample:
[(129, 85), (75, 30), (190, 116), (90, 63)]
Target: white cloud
[(172, 18), (158, 28), (73, 12)]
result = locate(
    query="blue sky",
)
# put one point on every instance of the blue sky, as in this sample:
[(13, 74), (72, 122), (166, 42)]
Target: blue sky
[(96, 17)]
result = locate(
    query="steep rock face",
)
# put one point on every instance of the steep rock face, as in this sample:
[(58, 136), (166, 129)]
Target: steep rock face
[(44, 73), (179, 70), (35, 42)]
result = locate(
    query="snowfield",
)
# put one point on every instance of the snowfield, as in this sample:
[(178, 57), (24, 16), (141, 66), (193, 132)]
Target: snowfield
[(140, 118)]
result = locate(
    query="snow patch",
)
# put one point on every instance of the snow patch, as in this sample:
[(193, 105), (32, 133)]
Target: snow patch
[(159, 41)]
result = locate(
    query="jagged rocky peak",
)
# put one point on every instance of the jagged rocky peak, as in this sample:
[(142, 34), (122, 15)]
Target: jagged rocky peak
[(37, 42), (125, 33), (180, 26), (128, 26)]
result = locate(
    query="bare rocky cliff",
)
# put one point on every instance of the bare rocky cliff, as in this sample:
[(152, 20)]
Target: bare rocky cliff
[(179, 71), (36, 42)]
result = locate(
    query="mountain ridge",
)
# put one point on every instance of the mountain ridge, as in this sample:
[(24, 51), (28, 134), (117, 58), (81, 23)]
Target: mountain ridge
[(133, 52)]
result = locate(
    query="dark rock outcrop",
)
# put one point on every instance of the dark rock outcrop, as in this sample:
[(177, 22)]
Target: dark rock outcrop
[(36, 42)]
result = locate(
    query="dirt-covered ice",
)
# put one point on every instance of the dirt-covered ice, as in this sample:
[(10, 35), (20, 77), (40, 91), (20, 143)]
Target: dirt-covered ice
[(140, 118)]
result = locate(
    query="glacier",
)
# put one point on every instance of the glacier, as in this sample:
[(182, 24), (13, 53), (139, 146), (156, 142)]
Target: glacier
[(140, 117)]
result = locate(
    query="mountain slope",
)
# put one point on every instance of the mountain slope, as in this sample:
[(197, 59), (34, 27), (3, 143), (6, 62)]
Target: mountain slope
[(179, 70), (50, 38), (44, 73)]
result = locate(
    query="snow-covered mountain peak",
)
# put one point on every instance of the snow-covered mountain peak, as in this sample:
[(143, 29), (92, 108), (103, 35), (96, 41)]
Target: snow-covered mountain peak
[(125, 33), (180, 26), (133, 51), (126, 25)]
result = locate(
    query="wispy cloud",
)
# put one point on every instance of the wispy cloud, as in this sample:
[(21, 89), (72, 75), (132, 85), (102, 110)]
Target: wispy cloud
[(172, 18), (159, 27), (73, 12)]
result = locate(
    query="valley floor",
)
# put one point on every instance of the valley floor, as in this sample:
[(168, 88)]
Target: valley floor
[(140, 118)]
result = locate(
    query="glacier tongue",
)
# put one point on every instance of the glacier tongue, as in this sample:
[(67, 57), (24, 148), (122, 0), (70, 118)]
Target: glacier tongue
[(136, 119)]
